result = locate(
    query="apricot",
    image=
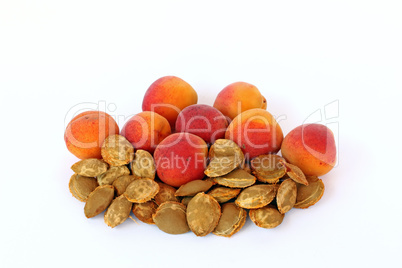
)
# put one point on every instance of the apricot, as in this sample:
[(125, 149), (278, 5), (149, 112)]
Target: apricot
[(256, 132), (202, 120), (167, 96), (146, 130), (86, 132), (311, 147), (181, 158), (239, 97)]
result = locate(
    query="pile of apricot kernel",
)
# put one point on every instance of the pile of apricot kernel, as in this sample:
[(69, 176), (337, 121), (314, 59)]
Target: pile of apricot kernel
[(186, 167)]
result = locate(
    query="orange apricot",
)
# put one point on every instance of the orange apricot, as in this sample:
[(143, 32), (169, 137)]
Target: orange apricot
[(202, 120), (311, 147), (239, 97), (146, 130), (256, 132), (167, 96), (86, 132), (181, 158)]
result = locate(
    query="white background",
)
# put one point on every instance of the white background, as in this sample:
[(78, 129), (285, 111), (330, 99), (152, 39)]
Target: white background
[(302, 55)]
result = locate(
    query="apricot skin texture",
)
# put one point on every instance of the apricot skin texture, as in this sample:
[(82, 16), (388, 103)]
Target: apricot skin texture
[(311, 147), (202, 120), (181, 158), (237, 98), (167, 96), (256, 132), (146, 130), (86, 132)]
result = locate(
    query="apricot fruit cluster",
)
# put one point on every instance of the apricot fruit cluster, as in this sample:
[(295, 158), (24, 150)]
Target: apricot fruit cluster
[(194, 167)]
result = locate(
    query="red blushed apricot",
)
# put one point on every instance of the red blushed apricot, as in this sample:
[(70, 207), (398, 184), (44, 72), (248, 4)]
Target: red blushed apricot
[(202, 120), (256, 132), (181, 158), (86, 132), (167, 96), (239, 97), (146, 130), (311, 147)]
